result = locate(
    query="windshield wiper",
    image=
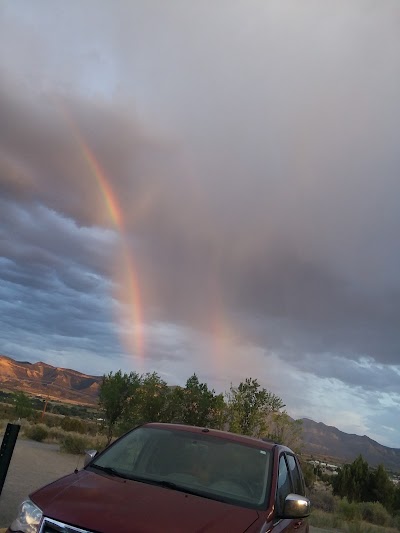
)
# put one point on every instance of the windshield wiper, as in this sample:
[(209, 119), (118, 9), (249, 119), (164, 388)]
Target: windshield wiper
[(174, 486), (109, 470), (182, 488), (159, 482)]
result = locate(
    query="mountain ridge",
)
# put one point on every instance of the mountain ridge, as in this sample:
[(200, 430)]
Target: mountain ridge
[(323, 440), (42, 379)]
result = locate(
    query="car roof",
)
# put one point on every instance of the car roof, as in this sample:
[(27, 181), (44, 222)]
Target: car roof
[(227, 435)]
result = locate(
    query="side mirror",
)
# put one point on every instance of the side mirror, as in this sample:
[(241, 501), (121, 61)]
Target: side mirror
[(89, 456), (296, 506)]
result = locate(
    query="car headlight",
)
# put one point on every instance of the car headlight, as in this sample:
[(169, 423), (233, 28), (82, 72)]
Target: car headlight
[(28, 519)]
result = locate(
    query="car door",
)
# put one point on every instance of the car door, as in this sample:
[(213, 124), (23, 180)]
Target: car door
[(298, 487), (286, 485)]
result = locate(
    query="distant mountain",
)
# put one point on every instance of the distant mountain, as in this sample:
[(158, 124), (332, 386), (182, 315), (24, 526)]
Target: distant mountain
[(327, 441), (41, 379)]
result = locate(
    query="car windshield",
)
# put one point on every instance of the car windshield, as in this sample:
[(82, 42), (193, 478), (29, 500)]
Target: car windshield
[(203, 464)]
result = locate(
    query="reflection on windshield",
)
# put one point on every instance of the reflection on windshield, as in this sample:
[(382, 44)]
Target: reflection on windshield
[(200, 464)]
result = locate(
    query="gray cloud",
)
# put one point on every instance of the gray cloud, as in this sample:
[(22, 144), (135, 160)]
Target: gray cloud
[(251, 149), (364, 373), (293, 221)]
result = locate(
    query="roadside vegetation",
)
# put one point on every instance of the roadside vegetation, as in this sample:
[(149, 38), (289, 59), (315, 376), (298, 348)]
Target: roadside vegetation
[(127, 400), (354, 518), (358, 499)]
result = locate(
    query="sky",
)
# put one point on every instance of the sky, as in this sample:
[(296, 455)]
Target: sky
[(207, 187)]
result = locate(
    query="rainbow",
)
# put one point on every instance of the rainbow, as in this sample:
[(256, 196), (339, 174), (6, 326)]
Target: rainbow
[(132, 313), (109, 197)]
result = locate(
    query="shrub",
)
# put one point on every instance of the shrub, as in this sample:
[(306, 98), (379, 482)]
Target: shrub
[(321, 519), (375, 513), (36, 432), (7, 412), (348, 511), (92, 428), (72, 424), (324, 501), (98, 443), (56, 434), (356, 527), (36, 418), (51, 420), (76, 444), (396, 521)]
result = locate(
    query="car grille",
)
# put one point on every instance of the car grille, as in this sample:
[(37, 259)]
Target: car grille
[(53, 526)]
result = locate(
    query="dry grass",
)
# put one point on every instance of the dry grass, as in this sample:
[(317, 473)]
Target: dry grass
[(326, 520), (70, 441)]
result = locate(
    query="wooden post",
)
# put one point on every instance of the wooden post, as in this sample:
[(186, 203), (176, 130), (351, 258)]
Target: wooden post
[(6, 450), (44, 408)]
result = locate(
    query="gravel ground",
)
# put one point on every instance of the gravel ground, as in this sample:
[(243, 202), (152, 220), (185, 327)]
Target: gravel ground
[(35, 464)]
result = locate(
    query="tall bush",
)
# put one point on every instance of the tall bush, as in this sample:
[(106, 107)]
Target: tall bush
[(73, 424), (36, 432), (75, 444), (375, 513)]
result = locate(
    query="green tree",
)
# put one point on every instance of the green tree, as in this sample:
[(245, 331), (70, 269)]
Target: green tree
[(218, 413), (353, 481), (396, 499), (22, 405), (381, 487), (152, 400), (175, 404), (249, 406), (117, 392), (197, 405), (359, 483), (308, 473), (283, 429)]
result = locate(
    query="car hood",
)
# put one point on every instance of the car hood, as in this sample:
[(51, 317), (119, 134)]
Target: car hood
[(101, 503)]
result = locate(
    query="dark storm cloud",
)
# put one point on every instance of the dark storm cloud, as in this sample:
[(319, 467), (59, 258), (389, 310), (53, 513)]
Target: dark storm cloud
[(257, 268), (309, 308), (365, 374), (36, 322), (270, 198), (43, 140), (42, 245), (52, 307), (53, 281), (294, 133)]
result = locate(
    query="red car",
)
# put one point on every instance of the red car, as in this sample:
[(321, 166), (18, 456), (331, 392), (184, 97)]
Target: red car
[(175, 479)]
